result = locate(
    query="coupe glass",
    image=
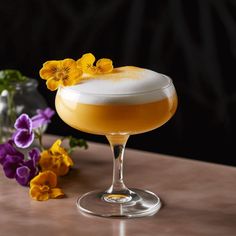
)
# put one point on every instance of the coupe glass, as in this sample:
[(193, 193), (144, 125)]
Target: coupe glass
[(117, 120)]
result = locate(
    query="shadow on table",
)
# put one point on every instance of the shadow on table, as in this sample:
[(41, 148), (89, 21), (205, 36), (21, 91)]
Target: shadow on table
[(87, 175)]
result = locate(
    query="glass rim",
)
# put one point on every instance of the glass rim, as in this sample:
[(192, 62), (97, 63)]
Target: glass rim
[(170, 83)]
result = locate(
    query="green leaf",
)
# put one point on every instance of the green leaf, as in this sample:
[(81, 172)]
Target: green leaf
[(11, 76), (74, 142)]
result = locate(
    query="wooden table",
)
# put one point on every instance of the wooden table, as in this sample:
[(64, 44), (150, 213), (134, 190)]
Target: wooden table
[(199, 198)]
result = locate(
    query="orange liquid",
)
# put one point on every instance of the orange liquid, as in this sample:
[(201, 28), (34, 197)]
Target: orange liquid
[(116, 119)]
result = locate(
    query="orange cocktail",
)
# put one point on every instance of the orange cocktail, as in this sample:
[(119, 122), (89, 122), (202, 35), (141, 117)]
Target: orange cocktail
[(105, 119), (127, 101)]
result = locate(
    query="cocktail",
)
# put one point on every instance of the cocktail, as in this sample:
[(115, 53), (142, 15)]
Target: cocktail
[(126, 101)]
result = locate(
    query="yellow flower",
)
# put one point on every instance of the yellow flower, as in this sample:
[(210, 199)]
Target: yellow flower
[(43, 186), (86, 63), (104, 65), (56, 159), (63, 72)]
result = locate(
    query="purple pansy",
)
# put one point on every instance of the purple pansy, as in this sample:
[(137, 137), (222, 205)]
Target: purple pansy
[(8, 150), (43, 117), (24, 135), (15, 165), (11, 164), (22, 170), (29, 168)]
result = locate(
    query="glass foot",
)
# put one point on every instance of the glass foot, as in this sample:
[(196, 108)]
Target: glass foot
[(139, 203)]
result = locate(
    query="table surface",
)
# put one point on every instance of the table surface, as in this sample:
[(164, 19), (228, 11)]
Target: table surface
[(199, 198)]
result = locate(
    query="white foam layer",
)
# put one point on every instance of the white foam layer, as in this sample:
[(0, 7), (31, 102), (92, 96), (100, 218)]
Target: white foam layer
[(125, 85)]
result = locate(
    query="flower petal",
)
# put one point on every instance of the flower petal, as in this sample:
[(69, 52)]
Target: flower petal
[(62, 170), (104, 65), (48, 112), (45, 160), (43, 117), (3, 152), (69, 82), (34, 170), (37, 194), (23, 172), (68, 63), (79, 63), (37, 121), (56, 147), (34, 155), (9, 168), (88, 58), (56, 193), (86, 63), (11, 150), (23, 122), (49, 69), (22, 175), (67, 160), (48, 178), (74, 76), (56, 159), (14, 158), (23, 138), (52, 83), (8, 149)]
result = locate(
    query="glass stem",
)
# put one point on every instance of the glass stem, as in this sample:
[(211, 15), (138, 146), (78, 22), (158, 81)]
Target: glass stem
[(117, 143)]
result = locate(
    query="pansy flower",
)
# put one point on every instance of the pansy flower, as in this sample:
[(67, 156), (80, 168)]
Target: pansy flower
[(43, 186), (8, 149), (86, 62), (22, 170), (63, 72), (56, 159), (24, 135), (43, 117)]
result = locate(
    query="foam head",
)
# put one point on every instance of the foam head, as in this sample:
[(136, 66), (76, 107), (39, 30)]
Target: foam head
[(126, 84)]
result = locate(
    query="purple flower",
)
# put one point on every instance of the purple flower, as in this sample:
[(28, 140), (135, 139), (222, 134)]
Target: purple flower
[(8, 150), (22, 170), (28, 169), (43, 117), (34, 155), (11, 164), (24, 135)]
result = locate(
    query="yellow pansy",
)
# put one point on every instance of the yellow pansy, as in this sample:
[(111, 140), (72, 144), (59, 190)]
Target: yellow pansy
[(43, 186), (56, 159), (63, 72), (86, 63), (104, 65)]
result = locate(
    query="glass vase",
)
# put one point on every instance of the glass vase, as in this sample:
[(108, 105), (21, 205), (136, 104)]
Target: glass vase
[(22, 97)]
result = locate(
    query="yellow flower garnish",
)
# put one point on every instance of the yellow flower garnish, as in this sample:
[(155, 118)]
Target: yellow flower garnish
[(68, 72), (56, 159), (63, 72), (43, 186), (104, 65), (86, 63)]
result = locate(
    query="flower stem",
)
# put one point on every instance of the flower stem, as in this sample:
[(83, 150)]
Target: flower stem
[(11, 106), (39, 136), (41, 142)]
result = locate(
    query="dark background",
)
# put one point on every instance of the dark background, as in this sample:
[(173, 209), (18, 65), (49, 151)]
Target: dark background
[(194, 42)]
